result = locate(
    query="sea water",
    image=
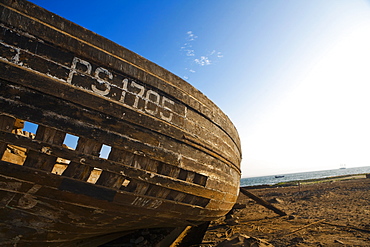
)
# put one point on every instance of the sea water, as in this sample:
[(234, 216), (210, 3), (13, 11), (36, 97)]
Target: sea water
[(302, 176)]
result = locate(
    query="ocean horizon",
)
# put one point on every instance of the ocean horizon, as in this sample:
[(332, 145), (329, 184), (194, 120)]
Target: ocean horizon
[(274, 179)]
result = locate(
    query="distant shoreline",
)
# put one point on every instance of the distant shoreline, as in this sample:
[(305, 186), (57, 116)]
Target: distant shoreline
[(310, 181)]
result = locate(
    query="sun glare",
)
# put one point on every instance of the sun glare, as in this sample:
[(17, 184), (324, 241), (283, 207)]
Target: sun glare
[(324, 120)]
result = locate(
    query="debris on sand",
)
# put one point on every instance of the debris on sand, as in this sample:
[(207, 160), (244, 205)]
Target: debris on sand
[(241, 240)]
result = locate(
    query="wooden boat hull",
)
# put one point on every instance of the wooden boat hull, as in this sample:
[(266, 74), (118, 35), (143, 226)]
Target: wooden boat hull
[(174, 159)]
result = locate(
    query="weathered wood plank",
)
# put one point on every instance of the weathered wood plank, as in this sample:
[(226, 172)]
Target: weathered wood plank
[(262, 202), (6, 124), (79, 170), (192, 237), (43, 160)]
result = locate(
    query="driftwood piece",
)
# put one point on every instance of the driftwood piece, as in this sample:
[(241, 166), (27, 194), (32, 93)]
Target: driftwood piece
[(303, 227), (185, 236), (262, 202), (347, 226)]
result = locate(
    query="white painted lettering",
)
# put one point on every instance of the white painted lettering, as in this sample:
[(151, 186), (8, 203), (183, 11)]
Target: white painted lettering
[(101, 81), (164, 101), (124, 87), (138, 95), (156, 102), (74, 68)]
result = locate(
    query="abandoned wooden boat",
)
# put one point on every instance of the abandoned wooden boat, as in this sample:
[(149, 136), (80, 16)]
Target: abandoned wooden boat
[(174, 155)]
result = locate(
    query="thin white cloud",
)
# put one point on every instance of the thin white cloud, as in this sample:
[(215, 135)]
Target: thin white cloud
[(190, 53), (202, 61), (191, 36), (187, 46), (190, 50)]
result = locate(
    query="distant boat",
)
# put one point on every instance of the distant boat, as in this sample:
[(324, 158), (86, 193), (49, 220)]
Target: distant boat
[(342, 166), (279, 176)]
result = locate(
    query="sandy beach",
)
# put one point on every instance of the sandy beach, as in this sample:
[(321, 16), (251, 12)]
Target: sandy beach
[(327, 212)]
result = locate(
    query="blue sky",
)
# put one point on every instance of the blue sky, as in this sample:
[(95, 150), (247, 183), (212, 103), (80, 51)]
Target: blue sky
[(293, 76)]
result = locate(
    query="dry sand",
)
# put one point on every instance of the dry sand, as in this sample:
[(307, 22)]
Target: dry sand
[(331, 213)]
